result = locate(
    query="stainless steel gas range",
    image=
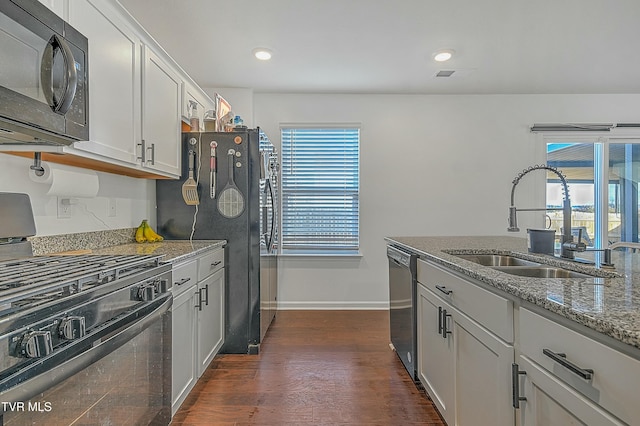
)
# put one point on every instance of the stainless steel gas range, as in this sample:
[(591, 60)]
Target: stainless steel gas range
[(84, 339)]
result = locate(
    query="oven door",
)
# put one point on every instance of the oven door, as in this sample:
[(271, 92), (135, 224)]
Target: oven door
[(43, 87), (122, 376)]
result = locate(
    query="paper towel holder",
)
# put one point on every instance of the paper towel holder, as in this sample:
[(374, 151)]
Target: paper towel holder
[(37, 164)]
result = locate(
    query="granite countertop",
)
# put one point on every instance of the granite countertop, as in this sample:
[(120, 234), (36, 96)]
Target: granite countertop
[(174, 251), (609, 304)]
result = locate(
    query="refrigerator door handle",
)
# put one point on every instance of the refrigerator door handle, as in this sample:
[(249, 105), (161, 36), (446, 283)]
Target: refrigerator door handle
[(273, 216), (265, 211)]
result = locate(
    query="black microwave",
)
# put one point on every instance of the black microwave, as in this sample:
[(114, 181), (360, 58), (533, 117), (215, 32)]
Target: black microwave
[(44, 93)]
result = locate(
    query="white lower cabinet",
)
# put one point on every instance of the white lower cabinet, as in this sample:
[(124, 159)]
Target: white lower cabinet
[(184, 341), (482, 371), (574, 376), (546, 401), (197, 320), (464, 368), (435, 354), (485, 360), (210, 320)]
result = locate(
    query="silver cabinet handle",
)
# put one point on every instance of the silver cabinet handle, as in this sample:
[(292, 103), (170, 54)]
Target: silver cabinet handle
[(216, 263), (515, 385), (199, 304), (153, 154), (143, 151), (444, 324), (561, 359), (206, 290), (182, 281), (444, 289)]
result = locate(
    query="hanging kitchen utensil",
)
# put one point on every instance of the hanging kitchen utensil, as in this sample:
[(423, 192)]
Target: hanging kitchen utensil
[(231, 200), (190, 186), (213, 169)]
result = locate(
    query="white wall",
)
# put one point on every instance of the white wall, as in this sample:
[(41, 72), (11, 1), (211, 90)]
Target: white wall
[(134, 198), (241, 101), (430, 165)]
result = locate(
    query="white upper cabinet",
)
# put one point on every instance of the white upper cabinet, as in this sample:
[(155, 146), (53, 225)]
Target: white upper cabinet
[(138, 95), (56, 6), (161, 110), (192, 95), (114, 80)]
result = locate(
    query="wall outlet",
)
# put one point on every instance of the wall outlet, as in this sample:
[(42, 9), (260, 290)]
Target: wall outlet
[(64, 208), (111, 207)]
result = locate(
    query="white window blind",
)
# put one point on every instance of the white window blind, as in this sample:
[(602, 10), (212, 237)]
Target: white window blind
[(320, 188)]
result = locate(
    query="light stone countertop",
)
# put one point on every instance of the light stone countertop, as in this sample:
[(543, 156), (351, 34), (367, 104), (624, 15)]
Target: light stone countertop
[(174, 251), (609, 304)]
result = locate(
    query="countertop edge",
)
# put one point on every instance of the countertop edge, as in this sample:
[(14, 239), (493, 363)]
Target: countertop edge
[(173, 251), (509, 285)]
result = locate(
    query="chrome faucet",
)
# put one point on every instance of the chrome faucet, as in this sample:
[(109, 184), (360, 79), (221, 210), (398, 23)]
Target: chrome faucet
[(606, 262), (626, 244), (568, 247)]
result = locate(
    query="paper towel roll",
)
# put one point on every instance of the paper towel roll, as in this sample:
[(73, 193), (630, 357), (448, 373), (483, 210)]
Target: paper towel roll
[(64, 182)]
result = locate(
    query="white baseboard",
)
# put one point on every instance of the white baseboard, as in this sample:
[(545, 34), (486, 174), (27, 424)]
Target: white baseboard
[(317, 306)]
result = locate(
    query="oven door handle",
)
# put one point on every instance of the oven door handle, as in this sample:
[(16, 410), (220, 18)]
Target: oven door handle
[(56, 369)]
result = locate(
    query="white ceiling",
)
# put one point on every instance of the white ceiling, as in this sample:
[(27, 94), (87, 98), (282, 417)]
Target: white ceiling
[(386, 46)]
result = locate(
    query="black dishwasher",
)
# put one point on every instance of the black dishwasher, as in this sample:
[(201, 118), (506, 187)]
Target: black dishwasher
[(402, 305)]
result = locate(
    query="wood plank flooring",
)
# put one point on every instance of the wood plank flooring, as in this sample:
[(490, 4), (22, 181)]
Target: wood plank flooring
[(314, 367)]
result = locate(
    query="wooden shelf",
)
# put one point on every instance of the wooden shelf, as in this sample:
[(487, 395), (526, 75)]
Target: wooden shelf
[(92, 164)]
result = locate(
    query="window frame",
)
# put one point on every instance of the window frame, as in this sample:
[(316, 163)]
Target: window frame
[(318, 251), (601, 168)]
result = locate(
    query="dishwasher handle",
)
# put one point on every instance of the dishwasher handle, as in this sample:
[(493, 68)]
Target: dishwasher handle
[(400, 256)]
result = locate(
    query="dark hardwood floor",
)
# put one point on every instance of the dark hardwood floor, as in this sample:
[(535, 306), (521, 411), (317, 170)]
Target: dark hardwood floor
[(314, 367)]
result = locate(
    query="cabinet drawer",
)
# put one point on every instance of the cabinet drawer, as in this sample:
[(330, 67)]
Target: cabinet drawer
[(615, 375), (184, 276), (490, 310), (210, 263)]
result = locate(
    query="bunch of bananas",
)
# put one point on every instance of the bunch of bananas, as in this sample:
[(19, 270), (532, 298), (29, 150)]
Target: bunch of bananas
[(145, 233)]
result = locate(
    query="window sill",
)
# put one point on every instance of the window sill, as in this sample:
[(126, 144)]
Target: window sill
[(320, 253)]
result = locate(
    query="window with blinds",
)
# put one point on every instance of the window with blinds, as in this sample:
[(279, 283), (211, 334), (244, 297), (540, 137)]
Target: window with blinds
[(320, 189)]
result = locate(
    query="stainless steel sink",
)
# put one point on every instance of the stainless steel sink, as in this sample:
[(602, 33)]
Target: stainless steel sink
[(521, 267), (541, 272), (496, 260)]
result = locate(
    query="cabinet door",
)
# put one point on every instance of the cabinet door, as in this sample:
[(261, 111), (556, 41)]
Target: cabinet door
[(210, 319), (114, 82), (161, 89), (551, 402), (183, 361), (191, 95), (483, 379), (56, 6), (435, 354)]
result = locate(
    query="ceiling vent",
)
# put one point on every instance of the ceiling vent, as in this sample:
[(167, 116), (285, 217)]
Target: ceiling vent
[(444, 73)]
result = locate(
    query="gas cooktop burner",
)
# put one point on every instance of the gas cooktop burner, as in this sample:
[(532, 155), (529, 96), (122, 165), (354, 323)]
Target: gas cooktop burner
[(28, 282), (54, 309)]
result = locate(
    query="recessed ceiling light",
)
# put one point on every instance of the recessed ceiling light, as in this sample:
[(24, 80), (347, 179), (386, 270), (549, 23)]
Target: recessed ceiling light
[(443, 55), (262, 53)]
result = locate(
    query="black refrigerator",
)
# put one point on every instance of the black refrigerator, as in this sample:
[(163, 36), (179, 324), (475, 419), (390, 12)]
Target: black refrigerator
[(236, 175)]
